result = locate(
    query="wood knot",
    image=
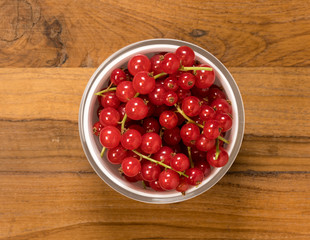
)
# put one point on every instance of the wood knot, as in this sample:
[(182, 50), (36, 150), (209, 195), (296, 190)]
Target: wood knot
[(53, 32), (196, 33)]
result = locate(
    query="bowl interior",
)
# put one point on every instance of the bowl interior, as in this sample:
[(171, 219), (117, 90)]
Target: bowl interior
[(88, 116)]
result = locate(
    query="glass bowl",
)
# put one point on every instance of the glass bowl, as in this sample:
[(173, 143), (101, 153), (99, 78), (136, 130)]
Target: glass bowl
[(88, 116)]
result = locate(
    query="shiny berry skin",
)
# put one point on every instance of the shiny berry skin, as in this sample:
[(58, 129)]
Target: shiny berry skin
[(131, 166), (186, 80), (168, 119), (204, 166), (109, 99), (198, 155), (159, 109), (186, 55), (191, 106), (143, 83), (136, 109), (116, 155), (151, 125), (109, 117), (110, 137), (221, 105), (131, 139), (200, 92), (125, 91), (150, 171), (168, 179), (122, 111), (215, 93), (204, 79), (206, 113), (151, 143), (139, 63), (170, 64), (157, 96), (171, 83), (180, 162), (164, 155), (225, 121), (155, 64), (204, 144), (171, 98), (99, 109), (172, 136), (183, 185), (181, 119), (195, 176), (117, 76), (221, 160), (182, 93), (211, 129), (97, 127), (137, 127), (190, 132), (155, 185)]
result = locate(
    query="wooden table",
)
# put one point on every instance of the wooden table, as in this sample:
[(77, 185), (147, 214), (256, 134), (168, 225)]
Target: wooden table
[(48, 51)]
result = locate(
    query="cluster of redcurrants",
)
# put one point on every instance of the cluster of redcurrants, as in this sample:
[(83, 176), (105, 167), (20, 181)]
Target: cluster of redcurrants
[(164, 120)]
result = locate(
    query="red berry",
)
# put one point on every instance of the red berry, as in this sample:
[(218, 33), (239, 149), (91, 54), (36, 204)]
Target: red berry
[(197, 154), (157, 96), (131, 166), (164, 155), (206, 113), (225, 121), (110, 137), (170, 64), (180, 162), (155, 63), (215, 93), (186, 55), (159, 109), (221, 160), (136, 109), (183, 185), (200, 92), (182, 93), (172, 136), (155, 185), (211, 129), (97, 128), (195, 176), (116, 155), (204, 144), (143, 83), (137, 127), (221, 105), (117, 76), (122, 111), (171, 83), (109, 99), (204, 79), (186, 80), (151, 143), (99, 110), (125, 91), (150, 171), (191, 106), (168, 119), (151, 125), (204, 166), (168, 179), (131, 139), (139, 63), (109, 117), (190, 133), (171, 98)]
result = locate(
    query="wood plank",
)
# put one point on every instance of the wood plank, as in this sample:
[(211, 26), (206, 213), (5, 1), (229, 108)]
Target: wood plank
[(45, 33)]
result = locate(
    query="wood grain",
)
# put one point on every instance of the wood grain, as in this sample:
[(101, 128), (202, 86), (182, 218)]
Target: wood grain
[(67, 33), (49, 191)]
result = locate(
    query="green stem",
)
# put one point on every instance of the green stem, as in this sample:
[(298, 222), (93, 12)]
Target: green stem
[(102, 151), (186, 117), (160, 75), (190, 156), (106, 90), (123, 123), (158, 162), (217, 153), (195, 68), (223, 139)]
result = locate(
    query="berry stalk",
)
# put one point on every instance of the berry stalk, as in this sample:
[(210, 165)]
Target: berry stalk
[(106, 90), (102, 151), (190, 156), (217, 153), (186, 117), (160, 75), (158, 162), (195, 68), (223, 139)]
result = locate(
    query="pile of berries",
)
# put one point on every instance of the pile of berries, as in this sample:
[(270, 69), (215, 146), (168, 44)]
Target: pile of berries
[(163, 120)]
